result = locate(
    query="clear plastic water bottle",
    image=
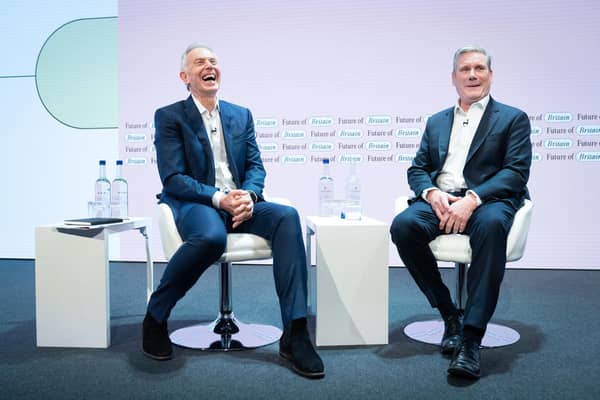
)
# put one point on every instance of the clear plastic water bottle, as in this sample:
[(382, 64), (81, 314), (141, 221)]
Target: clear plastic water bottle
[(102, 191), (326, 191), (119, 193), (352, 206)]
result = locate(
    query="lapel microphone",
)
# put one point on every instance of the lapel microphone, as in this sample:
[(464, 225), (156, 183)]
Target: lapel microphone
[(466, 122)]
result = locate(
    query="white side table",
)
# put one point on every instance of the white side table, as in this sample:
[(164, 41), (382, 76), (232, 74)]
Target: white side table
[(351, 280), (72, 296)]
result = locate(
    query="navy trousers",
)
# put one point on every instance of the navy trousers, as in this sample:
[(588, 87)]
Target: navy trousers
[(488, 228), (204, 231)]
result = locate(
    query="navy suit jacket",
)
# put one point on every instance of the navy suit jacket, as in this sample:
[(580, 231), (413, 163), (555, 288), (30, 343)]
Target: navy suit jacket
[(185, 158), (498, 161)]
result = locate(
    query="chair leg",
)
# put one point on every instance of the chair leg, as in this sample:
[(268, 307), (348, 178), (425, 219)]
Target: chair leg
[(226, 332), (225, 324), (225, 286), (461, 287)]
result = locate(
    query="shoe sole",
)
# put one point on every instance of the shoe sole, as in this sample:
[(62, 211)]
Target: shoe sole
[(158, 358), (309, 375), (463, 373)]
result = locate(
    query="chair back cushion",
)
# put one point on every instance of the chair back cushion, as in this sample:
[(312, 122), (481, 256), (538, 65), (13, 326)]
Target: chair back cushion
[(517, 237), (169, 235)]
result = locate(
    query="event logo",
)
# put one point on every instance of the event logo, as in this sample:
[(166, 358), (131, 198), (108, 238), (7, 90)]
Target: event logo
[(349, 158), (293, 134), (268, 146), (379, 146), (295, 159), (379, 120), (321, 146), (405, 157), (403, 132), (136, 161), (588, 130), (558, 143), (588, 156), (321, 121), (350, 133), (558, 117), (136, 137), (266, 122)]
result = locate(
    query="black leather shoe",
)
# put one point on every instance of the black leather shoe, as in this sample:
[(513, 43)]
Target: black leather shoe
[(155, 339), (453, 330), (465, 361), (296, 347)]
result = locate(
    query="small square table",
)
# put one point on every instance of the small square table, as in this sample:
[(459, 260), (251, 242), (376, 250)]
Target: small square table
[(72, 294), (350, 295)]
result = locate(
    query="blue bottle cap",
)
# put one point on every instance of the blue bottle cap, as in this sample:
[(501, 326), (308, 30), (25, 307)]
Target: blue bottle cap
[(102, 162), (119, 162), (326, 161)]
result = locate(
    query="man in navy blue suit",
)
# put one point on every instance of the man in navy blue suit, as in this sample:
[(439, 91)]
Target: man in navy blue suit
[(213, 178), (469, 176)]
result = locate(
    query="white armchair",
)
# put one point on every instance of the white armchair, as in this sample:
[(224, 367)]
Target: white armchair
[(225, 332), (456, 248)]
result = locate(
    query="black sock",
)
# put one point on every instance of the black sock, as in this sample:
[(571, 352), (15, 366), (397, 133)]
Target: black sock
[(299, 322), (297, 325)]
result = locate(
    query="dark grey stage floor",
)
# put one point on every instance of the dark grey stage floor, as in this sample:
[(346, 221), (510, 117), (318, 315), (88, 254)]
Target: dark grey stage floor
[(555, 311)]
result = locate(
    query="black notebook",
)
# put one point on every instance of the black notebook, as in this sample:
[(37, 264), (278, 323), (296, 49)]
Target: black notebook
[(92, 221)]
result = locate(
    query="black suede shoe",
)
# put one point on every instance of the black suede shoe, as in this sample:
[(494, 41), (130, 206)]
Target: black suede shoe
[(465, 361), (296, 347), (155, 339), (453, 330)]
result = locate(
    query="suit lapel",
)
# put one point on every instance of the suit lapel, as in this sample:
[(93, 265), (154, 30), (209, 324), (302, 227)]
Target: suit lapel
[(195, 121), (488, 120), (444, 139), (227, 116)]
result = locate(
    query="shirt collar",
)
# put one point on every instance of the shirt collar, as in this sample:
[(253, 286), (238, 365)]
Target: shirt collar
[(203, 109), (482, 104)]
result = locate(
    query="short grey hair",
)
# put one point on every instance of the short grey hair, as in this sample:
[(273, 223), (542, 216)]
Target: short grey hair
[(188, 50), (471, 49)]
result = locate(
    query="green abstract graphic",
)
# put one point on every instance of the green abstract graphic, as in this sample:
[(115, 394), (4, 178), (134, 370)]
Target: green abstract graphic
[(76, 73)]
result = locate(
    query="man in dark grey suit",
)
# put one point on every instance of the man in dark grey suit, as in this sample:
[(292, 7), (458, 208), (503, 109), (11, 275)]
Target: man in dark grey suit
[(212, 176), (469, 176)]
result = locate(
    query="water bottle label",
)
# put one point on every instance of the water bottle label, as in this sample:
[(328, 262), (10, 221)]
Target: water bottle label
[(103, 196)]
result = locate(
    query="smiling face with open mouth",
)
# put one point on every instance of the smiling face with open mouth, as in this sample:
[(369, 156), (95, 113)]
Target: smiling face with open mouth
[(472, 78), (201, 73)]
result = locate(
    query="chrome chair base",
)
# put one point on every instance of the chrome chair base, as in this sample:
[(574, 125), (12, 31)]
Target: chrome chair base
[(224, 334), (432, 331)]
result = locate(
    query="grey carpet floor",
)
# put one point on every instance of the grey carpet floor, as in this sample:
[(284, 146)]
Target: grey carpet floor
[(555, 311)]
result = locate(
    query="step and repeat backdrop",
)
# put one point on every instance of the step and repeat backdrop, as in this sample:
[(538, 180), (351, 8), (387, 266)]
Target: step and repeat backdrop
[(356, 81), (346, 80)]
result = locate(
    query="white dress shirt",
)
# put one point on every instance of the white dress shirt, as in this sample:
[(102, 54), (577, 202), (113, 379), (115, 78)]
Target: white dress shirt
[(223, 177), (464, 126)]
